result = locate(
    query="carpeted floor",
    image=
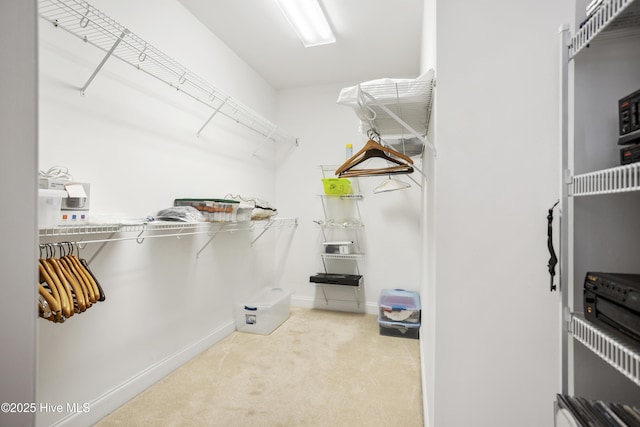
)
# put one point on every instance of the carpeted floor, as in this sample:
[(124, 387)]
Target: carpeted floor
[(320, 368)]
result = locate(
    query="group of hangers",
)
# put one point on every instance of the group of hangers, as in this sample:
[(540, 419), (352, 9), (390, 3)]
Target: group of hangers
[(66, 285), (400, 164)]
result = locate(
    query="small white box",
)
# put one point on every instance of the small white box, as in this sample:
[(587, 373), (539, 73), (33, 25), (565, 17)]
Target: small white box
[(75, 208), (49, 202), (265, 312)]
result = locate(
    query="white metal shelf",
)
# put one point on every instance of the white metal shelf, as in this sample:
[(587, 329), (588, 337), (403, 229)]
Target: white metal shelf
[(613, 18), (353, 257), (394, 109), (78, 230), (94, 27), (615, 353), (619, 179), (180, 229), (342, 196), (345, 225)]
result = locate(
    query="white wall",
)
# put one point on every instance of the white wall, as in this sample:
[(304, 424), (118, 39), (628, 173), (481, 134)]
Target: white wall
[(18, 168), (134, 139), (496, 336), (390, 237)]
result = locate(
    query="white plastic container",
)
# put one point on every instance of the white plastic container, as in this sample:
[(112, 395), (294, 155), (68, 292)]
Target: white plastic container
[(265, 312), (49, 203)]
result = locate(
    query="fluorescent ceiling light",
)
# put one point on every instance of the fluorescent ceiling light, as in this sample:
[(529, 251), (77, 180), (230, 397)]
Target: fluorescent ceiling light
[(308, 21)]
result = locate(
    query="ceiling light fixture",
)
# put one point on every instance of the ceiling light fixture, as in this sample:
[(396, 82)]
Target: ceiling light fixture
[(308, 21)]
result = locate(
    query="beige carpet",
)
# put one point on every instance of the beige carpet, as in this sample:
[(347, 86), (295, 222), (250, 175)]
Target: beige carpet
[(320, 368)]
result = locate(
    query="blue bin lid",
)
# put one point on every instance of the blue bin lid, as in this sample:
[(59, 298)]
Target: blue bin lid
[(399, 299)]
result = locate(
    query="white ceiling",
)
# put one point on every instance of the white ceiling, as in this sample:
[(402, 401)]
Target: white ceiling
[(375, 39)]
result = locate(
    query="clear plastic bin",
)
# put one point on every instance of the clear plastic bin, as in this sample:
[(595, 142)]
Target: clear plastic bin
[(264, 312), (398, 305)]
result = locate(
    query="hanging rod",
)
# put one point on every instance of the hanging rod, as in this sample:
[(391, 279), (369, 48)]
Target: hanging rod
[(84, 21)]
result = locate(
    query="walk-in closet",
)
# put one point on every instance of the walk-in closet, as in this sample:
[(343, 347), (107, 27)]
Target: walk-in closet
[(210, 220)]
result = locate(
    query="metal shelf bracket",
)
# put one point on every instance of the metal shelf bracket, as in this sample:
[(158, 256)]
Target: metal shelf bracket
[(104, 60)]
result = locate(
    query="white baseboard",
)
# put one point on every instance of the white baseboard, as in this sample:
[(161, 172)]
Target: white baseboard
[(338, 305), (122, 393)]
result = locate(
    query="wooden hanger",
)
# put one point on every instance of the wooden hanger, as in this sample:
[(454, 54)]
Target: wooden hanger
[(374, 149), (45, 279), (66, 284)]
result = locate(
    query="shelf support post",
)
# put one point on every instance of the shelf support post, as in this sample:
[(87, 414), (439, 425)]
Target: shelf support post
[(104, 60), (565, 205)]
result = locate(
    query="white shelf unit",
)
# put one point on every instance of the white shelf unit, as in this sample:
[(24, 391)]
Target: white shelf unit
[(618, 179), (397, 110), (613, 19), (598, 204), (342, 221), (106, 233), (619, 355), (96, 28), (353, 257)]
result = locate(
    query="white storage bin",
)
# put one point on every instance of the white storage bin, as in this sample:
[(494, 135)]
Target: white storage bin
[(49, 203), (265, 312)]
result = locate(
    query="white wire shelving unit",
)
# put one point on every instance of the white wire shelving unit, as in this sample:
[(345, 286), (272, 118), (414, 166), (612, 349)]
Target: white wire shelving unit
[(342, 196), (623, 358), (614, 18), (352, 257), (395, 110), (140, 232), (619, 179), (94, 27)]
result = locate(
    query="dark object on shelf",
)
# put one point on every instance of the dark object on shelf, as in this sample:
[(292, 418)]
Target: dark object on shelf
[(584, 412), (336, 279), (629, 119), (630, 154), (613, 299)]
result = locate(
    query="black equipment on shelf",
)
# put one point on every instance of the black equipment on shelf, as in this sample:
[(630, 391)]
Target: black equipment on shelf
[(336, 279), (629, 119), (585, 412), (613, 299), (630, 154)]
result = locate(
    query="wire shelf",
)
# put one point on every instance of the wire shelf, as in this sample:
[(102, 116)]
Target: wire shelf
[(342, 196), (411, 102), (398, 110), (620, 179), (276, 223), (344, 225), (613, 18), (342, 256), (96, 28), (616, 354), (182, 227)]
